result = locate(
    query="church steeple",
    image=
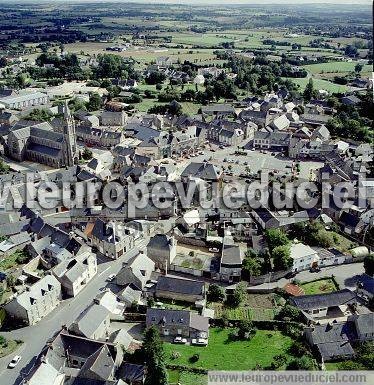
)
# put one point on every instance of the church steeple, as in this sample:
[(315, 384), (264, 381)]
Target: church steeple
[(70, 137)]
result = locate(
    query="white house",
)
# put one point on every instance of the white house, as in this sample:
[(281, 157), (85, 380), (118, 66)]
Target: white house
[(36, 301), (303, 256)]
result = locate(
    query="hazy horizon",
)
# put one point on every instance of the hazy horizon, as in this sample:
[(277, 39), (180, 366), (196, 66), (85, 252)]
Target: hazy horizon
[(203, 2)]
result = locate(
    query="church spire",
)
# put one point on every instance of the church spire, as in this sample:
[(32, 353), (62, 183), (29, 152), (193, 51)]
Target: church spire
[(70, 136)]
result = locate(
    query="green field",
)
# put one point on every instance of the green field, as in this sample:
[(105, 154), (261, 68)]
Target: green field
[(319, 84), (224, 354), (335, 67), (326, 285), (8, 346), (177, 377)]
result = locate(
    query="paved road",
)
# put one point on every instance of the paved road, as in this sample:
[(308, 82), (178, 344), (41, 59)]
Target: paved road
[(345, 275), (36, 336)]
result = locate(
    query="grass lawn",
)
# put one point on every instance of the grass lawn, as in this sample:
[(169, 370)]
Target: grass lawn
[(8, 346), (186, 378), (335, 67), (326, 285), (342, 243), (223, 354), (319, 84)]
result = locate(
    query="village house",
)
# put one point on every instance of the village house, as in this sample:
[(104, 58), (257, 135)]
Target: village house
[(93, 323), (180, 289), (325, 308), (336, 341), (75, 273), (231, 263), (303, 257), (162, 250), (136, 272), (109, 239), (77, 359), (219, 111), (173, 323), (36, 301)]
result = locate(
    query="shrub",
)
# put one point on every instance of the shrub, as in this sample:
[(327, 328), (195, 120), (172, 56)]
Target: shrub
[(195, 358)]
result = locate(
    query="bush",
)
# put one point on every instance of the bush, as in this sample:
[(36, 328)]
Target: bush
[(194, 358), (216, 293)]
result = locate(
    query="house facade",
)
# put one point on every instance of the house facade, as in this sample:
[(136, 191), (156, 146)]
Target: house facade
[(36, 301), (175, 323)]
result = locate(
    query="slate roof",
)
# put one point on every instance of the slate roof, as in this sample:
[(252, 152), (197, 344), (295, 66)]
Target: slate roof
[(100, 365), (132, 373), (159, 241), (231, 255), (44, 150), (364, 323), (89, 321), (179, 285), (333, 340), (318, 301), (349, 219), (177, 318), (205, 171), (141, 132)]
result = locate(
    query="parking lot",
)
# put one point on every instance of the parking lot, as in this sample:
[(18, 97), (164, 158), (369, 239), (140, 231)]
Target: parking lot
[(255, 160)]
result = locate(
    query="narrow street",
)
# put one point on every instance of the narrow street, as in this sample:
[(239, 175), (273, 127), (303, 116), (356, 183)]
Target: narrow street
[(35, 337)]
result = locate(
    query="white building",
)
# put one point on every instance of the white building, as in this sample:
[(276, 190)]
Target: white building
[(303, 256), (36, 301), (21, 102)]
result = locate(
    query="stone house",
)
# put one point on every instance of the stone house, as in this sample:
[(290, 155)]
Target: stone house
[(74, 274), (180, 289), (110, 240), (36, 301), (93, 323), (162, 250), (175, 323)]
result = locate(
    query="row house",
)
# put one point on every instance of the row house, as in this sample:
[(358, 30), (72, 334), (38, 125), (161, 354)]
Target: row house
[(109, 239), (36, 302)]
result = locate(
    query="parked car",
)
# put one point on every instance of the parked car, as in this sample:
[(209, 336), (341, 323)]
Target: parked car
[(111, 278), (199, 341), (12, 364), (213, 250), (180, 340)]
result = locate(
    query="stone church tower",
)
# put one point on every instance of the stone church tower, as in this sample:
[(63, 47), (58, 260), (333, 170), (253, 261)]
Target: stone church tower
[(70, 137)]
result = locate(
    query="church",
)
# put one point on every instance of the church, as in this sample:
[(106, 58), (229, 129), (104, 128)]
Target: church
[(39, 143)]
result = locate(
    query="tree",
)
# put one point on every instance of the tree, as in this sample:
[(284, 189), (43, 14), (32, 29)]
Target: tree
[(252, 266), (94, 103), (155, 358), (238, 296), (246, 330), (4, 168), (216, 293), (276, 237), (39, 115), (358, 68), (369, 265), (278, 361), (302, 363), (87, 154), (282, 257), (289, 312), (309, 91)]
